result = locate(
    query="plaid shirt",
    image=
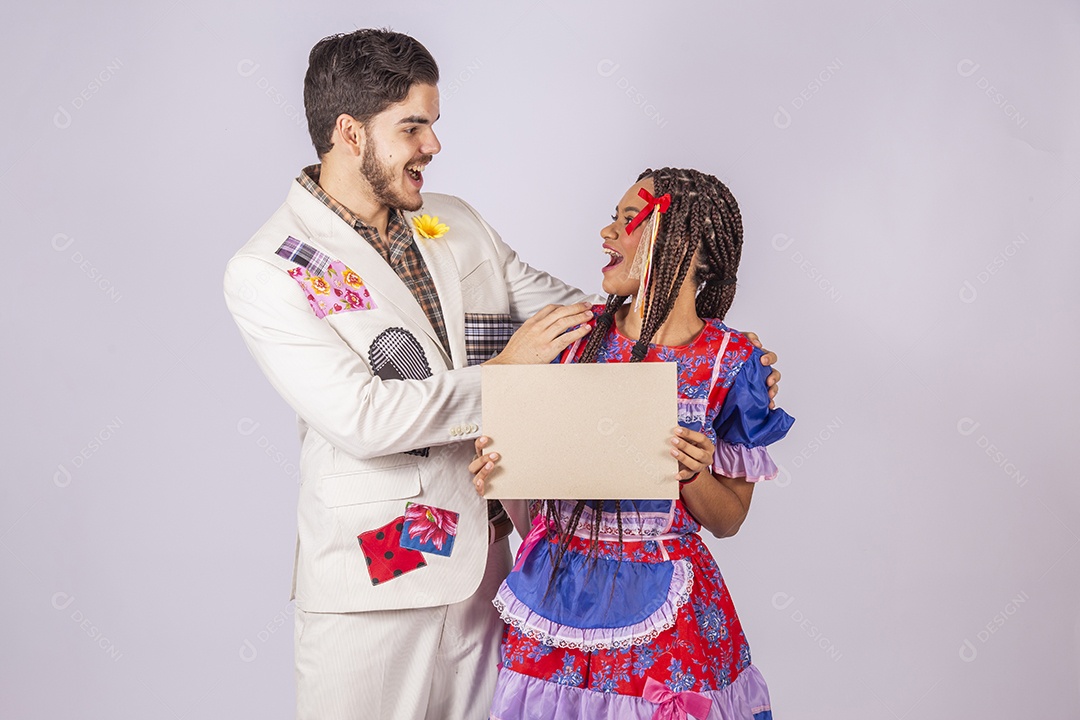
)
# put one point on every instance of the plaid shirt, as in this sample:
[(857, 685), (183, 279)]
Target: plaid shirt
[(404, 257), (400, 253)]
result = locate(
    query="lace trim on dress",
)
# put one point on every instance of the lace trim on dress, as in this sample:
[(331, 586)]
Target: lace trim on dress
[(532, 625)]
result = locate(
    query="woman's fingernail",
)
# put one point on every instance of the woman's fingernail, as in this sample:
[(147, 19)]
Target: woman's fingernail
[(680, 430), (488, 466), (494, 456), (674, 441)]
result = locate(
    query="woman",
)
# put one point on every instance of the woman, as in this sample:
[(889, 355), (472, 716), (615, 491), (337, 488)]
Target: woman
[(616, 609)]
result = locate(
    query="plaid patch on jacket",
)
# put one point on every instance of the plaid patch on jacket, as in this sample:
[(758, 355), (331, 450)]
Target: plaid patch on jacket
[(486, 334)]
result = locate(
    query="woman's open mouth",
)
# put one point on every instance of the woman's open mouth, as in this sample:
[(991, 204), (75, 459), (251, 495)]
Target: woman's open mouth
[(614, 258)]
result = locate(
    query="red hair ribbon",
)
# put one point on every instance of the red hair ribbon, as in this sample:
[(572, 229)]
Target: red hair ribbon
[(661, 204)]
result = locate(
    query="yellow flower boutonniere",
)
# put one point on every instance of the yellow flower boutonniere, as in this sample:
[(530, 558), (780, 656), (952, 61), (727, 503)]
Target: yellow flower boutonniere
[(430, 227)]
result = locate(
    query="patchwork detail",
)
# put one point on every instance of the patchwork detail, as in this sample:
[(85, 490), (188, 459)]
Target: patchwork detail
[(486, 334), (331, 287), (396, 354), (386, 558), (429, 529), (304, 255)]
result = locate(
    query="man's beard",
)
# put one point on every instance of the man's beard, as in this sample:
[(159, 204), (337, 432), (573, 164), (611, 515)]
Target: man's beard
[(381, 179)]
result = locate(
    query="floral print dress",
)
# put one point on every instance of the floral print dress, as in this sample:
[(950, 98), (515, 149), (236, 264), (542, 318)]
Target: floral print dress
[(649, 629)]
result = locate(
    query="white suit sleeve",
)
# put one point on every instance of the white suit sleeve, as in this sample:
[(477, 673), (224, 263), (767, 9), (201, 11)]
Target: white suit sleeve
[(328, 384)]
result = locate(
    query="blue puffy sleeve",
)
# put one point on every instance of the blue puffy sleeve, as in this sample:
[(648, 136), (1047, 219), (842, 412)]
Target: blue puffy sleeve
[(746, 425)]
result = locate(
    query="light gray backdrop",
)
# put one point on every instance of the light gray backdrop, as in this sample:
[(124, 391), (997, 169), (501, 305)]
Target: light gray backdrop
[(909, 174)]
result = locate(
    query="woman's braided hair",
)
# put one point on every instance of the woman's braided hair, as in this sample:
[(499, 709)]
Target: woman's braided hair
[(703, 220)]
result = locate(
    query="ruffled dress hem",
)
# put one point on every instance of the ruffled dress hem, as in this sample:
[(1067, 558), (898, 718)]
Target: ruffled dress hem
[(521, 697)]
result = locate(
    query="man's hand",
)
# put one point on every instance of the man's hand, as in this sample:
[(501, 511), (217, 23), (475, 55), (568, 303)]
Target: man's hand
[(545, 335), (768, 358)]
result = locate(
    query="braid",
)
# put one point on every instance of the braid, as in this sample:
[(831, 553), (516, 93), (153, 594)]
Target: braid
[(676, 243), (721, 250), (592, 348), (703, 219), (601, 328)]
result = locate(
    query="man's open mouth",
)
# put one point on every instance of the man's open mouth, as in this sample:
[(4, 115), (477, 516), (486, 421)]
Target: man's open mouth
[(416, 171)]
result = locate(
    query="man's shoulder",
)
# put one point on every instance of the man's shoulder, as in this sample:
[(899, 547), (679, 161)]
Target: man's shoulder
[(461, 219), (435, 203), (300, 215), (295, 221)]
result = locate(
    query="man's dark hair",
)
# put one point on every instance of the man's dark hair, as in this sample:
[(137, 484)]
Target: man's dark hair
[(361, 74)]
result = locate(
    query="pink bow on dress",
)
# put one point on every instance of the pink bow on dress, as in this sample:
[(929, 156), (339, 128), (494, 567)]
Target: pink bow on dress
[(537, 533), (676, 706)]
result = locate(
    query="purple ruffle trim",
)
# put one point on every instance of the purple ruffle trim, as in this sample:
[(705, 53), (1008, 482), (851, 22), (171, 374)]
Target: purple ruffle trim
[(735, 461), (533, 625), (521, 697)]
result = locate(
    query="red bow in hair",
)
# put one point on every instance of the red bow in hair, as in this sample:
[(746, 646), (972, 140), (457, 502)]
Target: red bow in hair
[(661, 204)]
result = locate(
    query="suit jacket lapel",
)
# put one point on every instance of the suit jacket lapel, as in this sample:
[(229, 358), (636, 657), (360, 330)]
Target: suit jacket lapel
[(444, 273), (334, 236)]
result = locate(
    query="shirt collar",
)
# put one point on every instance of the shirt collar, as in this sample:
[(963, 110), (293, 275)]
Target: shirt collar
[(396, 229)]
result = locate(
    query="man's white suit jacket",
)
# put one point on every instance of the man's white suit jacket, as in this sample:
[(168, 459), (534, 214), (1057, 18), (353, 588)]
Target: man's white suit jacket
[(365, 415)]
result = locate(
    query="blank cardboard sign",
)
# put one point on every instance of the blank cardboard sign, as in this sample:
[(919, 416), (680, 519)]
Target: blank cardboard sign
[(591, 431)]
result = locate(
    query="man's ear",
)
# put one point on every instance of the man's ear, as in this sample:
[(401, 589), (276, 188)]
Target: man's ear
[(350, 134)]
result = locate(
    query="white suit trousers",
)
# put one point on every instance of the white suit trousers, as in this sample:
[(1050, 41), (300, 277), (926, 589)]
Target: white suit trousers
[(433, 663)]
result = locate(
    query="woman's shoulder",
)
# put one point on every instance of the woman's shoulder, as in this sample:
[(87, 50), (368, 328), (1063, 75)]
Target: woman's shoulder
[(734, 343)]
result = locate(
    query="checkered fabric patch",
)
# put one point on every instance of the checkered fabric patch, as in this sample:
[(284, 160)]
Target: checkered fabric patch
[(486, 334), (304, 255), (396, 354)]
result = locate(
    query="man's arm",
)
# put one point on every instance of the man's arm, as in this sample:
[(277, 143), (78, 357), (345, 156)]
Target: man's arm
[(328, 384), (531, 289)]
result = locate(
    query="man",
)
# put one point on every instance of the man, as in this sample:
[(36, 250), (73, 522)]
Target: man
[(370, 320)]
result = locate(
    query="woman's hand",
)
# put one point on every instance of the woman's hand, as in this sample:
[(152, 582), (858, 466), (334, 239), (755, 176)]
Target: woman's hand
[(693, 450), (719, 503), (483, 464)]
